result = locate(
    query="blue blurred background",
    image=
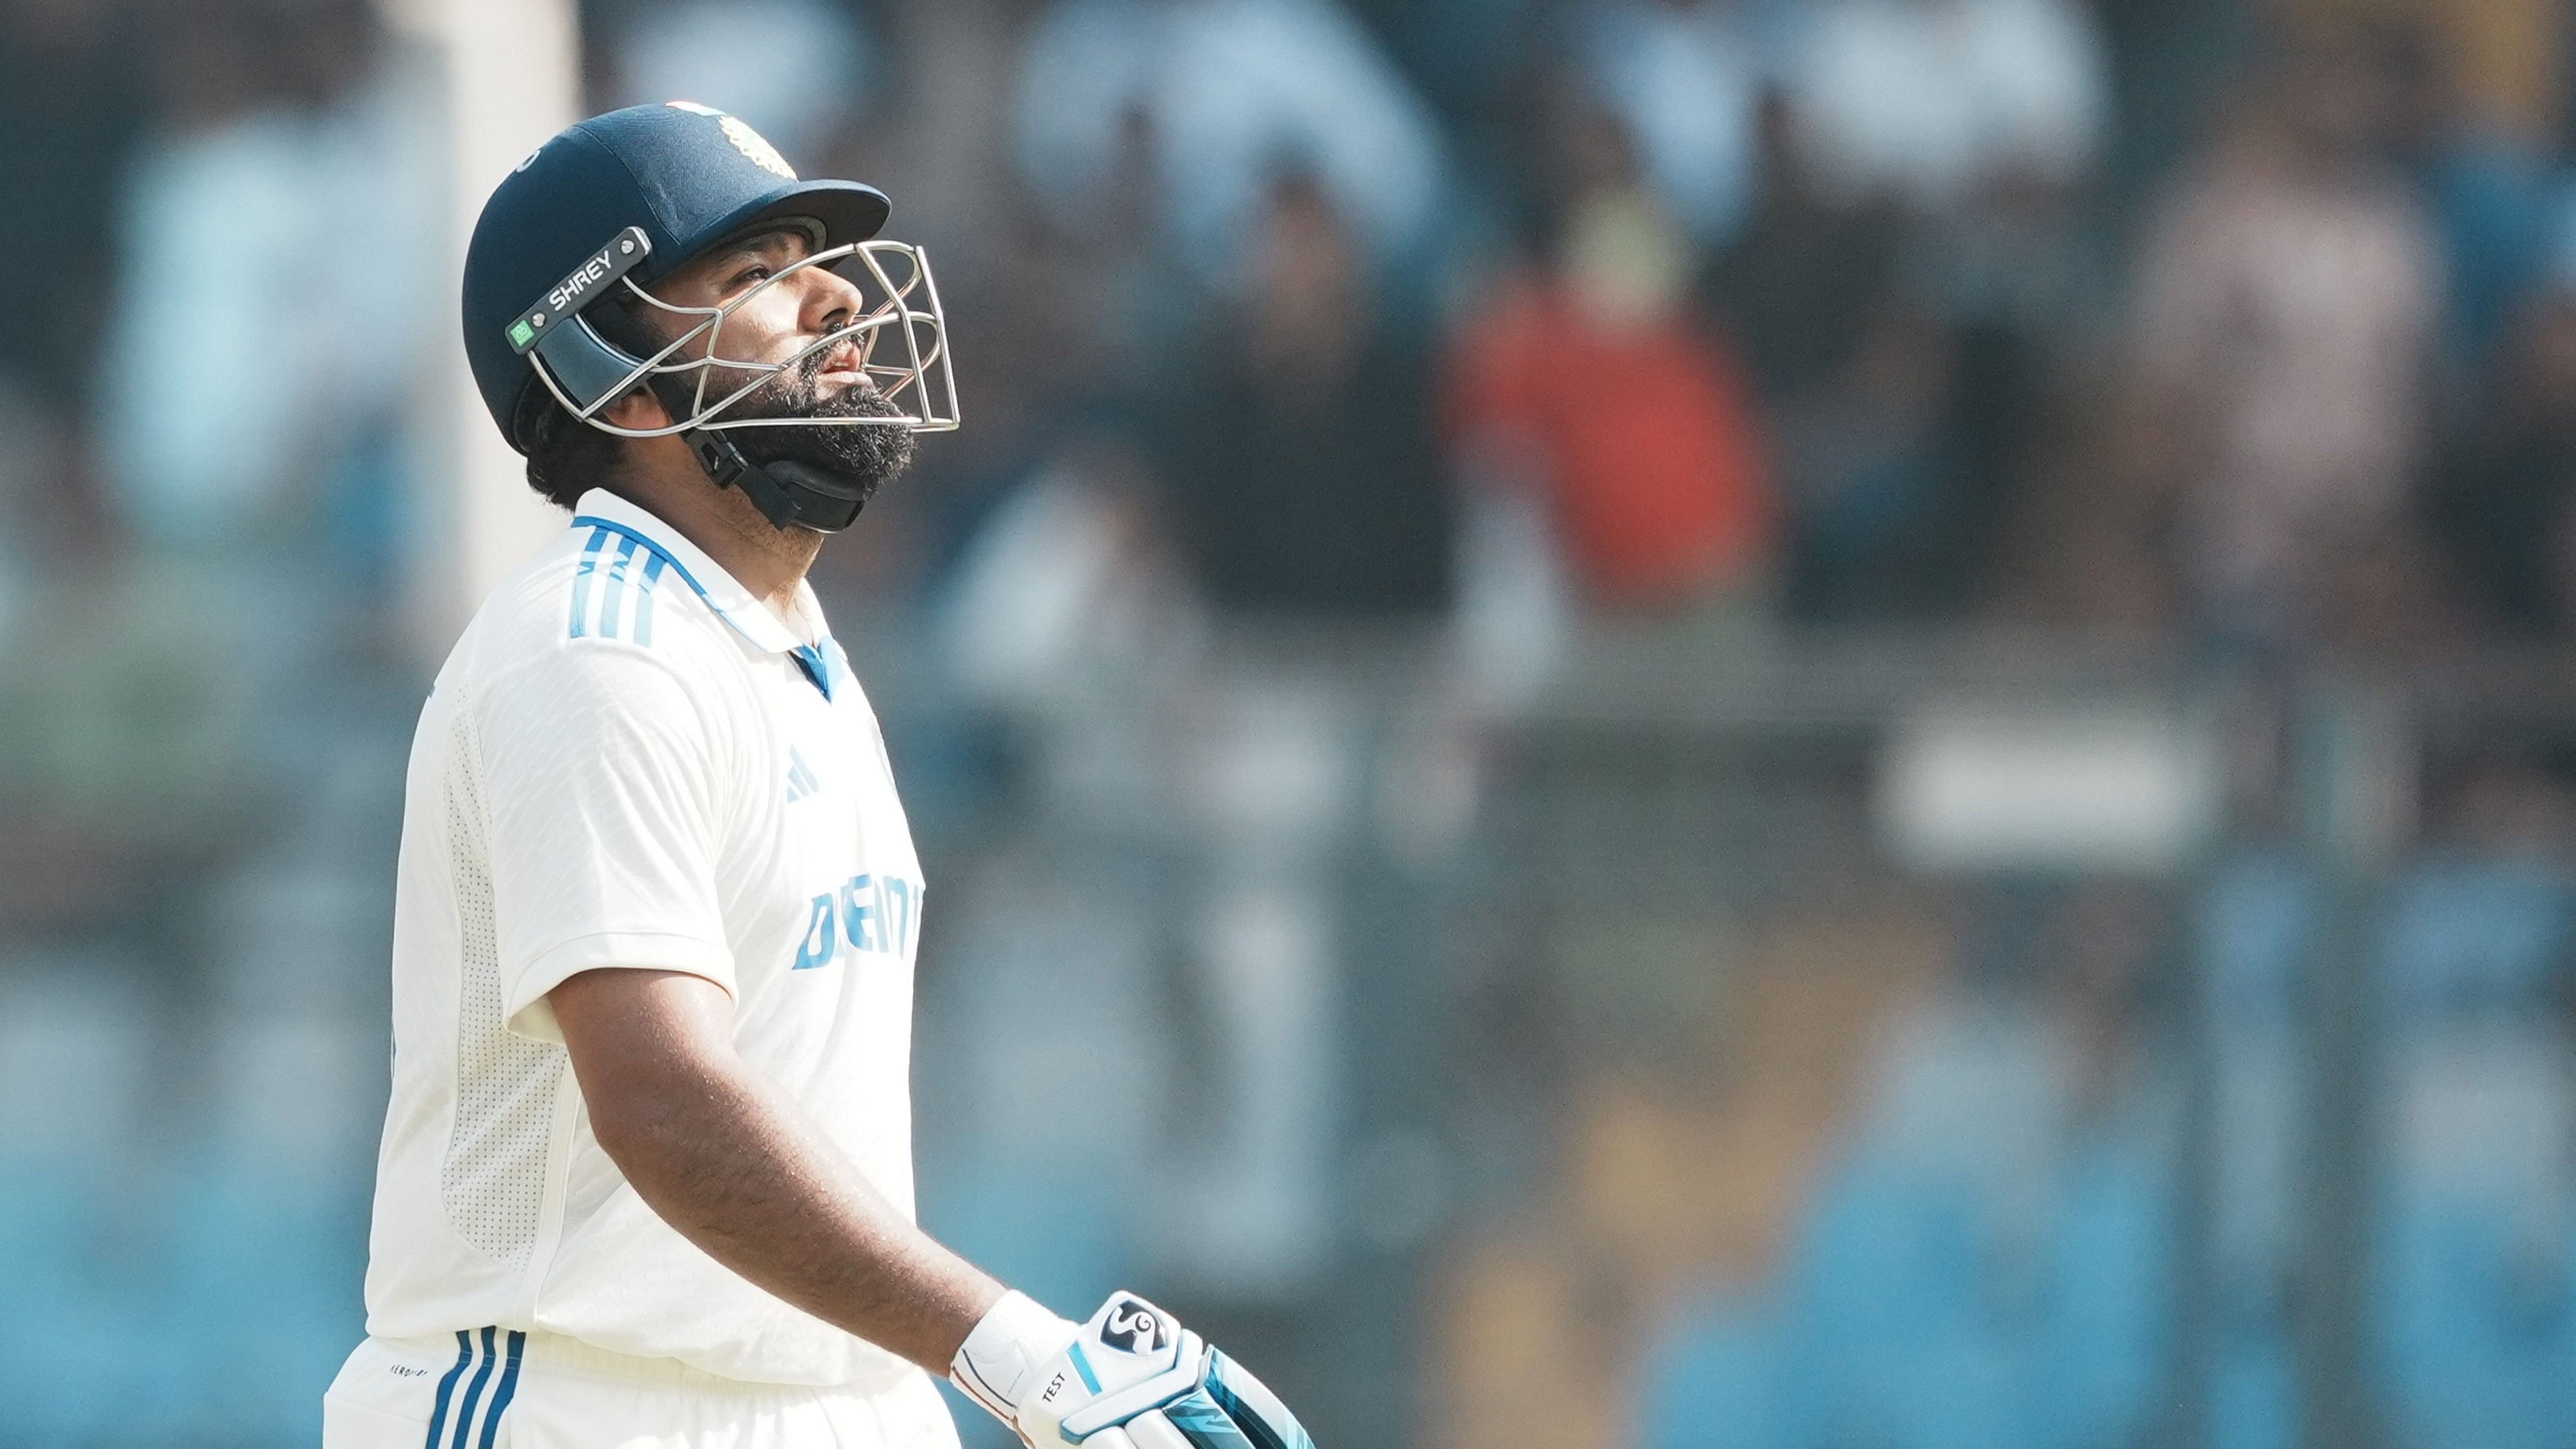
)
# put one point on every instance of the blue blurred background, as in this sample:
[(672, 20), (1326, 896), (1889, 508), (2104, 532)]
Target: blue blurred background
[(1837, 725)]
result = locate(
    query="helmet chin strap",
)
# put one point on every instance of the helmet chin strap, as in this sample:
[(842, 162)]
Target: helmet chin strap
[(786, 492)]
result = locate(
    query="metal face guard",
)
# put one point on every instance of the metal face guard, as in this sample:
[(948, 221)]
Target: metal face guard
[(901, 315)]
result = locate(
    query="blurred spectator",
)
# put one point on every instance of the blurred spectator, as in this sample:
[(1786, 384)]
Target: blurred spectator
[(1685, 80), (1860, 384), (2503, 510), (1458, 52), (2507, 59), (1298, 447), (1875, 477), (71, 101), (1799, 287), (2287, 305), (1933, 99), (2086, 548), (2484, 188), (1588, 383), (272, 233), (1068, 586), (1137, 305), (2167, 61), (798, 70), (1233, 90), (1904, 282)]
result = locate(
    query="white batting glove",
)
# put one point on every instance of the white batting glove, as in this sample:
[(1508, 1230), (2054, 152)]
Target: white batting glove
[(1130, 1378)]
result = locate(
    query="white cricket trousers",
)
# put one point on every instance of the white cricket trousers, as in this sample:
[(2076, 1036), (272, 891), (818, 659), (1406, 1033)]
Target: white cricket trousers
[(499, 1389)]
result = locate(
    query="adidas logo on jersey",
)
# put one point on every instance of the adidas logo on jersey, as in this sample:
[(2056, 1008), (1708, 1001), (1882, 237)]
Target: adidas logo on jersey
[(801, 780)]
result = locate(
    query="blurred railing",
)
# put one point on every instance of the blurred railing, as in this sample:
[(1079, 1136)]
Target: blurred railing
[(2315, 978), (1650, 1063)]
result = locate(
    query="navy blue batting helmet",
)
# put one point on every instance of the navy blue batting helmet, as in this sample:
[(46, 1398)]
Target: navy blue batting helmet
[(620, 200), (682, 176)]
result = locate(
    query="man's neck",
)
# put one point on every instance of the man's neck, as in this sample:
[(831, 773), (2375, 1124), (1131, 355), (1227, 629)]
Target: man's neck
[(768, 560)]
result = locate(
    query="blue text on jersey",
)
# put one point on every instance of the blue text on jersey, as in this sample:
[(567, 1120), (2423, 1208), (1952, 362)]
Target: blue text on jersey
[(868, 913)]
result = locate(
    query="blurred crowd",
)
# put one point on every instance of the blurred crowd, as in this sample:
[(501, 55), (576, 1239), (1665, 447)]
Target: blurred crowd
[(2198, 320), (1590, 1090)]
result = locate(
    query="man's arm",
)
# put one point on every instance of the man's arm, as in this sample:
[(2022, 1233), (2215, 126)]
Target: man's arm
[(714, 1149)]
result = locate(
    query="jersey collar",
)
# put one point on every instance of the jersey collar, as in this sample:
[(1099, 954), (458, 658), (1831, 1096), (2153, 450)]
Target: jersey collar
[(733, 603)]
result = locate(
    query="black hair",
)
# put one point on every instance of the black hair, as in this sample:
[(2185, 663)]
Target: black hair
[(566, 456)]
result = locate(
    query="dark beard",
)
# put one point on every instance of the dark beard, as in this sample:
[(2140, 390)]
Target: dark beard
[(864, 456)]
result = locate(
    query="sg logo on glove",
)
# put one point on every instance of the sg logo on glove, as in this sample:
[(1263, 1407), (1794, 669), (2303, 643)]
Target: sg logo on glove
[(1133, 1327)]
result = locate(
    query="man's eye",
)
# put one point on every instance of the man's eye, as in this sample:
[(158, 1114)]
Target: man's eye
[(748, 276)]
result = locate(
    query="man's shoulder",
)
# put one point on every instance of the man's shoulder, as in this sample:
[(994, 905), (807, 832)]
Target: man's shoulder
[(581, 637), (595, 587)]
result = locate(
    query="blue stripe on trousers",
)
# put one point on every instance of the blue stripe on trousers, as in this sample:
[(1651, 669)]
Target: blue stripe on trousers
[(509, 1386), (474, 1392), (447, 1386)]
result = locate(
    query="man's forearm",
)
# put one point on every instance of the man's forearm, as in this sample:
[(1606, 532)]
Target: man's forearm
[(714, 1149)]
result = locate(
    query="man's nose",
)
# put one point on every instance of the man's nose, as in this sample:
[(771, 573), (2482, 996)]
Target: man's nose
[(831, 300)]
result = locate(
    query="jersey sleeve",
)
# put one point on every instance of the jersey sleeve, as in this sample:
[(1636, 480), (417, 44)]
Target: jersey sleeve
[(599, 774)]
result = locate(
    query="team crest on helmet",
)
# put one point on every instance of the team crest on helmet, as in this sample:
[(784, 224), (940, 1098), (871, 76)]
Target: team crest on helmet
[(752, 144)]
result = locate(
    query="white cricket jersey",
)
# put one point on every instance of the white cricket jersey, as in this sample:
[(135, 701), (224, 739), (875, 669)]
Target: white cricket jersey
[(629, 761)]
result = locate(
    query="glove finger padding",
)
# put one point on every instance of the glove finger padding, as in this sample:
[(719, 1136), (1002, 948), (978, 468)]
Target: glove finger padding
[(1254, 1409), (1206, 1426), (1210, 1418), (1150, 1430)]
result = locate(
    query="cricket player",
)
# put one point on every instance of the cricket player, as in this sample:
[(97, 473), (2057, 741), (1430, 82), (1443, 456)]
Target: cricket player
[(646, 1177)]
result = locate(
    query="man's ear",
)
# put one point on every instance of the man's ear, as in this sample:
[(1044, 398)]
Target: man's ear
[(638, 409)]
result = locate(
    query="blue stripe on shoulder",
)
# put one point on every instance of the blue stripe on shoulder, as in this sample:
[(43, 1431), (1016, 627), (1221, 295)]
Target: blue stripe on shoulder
[(613, 526), (447, 1385), (644, 598), (581, 581), (616, 595)]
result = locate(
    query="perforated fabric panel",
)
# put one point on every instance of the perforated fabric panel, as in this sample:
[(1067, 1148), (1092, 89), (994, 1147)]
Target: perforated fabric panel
[(494, 1178)]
